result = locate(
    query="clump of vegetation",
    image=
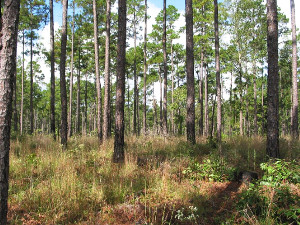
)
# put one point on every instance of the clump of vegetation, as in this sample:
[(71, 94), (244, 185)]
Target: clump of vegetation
[(272, 200)]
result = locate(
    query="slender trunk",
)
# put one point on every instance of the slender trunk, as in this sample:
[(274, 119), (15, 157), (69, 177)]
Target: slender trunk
[(63, 91), (273, 117), (172, 97), (78, 94), (145, 73), (241, 96), (15, 104), (52, 79), (31, 84), (22, 89), (262, 110), (230, 106), (86, 104), (98, 83), (71, 76), (212, 118), (106, 114), (160, 102), (118, 155), (255, 99), (164, 124), (128, 104), (295, 132), (154, 116), (8, 52), (247, 127), (201, 95), (190, 106), (218, 78), (206, 127), (135, 103)]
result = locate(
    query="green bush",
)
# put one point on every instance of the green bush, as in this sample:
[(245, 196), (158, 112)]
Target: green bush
[(212, 169), (278, 171)]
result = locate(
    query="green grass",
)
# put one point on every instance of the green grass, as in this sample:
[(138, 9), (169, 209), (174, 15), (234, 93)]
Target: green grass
[(80, 185)]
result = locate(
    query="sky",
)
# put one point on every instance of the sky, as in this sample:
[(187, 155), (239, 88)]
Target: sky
[(154, 7)]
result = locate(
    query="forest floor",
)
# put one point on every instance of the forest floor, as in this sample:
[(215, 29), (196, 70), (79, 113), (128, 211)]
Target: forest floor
[(163, 181)]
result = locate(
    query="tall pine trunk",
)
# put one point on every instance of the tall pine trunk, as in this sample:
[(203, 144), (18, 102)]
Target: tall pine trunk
[(172, 97), (295, 132), (31, 84), (190, 114), (78, 94), (63, 90), (206, 123), (255, 98), (201, 94), (218, 79), (164, 121), (118, 155), (145, 73), (8, 53), (98, 83), (106, 114), (273, 100), (52, 79), (71, 76)]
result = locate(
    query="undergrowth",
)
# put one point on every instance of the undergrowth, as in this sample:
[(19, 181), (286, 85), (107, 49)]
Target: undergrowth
[(163, 181)]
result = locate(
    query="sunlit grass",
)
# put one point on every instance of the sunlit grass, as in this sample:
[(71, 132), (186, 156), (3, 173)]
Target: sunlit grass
[(49, 185)]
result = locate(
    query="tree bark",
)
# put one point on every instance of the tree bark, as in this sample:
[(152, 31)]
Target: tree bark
[(135, 91), (118, 155), (31, 84), (63, 91), (71, 76), (22, 88), (85, 106), (172, 98), (190, 118), (160, 102), (98, 83), (273, 101), (106, 114), (218, 79), (145, 73), (78, 94), (164, 122), (295, 132), (206, 124), (255, 99), (52, 79), (8, 53), (201, 95)]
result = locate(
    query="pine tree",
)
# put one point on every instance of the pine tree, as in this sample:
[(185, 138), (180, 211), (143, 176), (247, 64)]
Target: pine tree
[(8, 51)]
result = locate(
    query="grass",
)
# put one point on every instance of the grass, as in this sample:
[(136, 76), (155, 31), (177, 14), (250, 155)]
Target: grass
[(80, 185)]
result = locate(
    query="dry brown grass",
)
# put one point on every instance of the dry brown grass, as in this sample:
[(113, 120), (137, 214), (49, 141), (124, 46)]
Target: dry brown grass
[(80, 185)]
